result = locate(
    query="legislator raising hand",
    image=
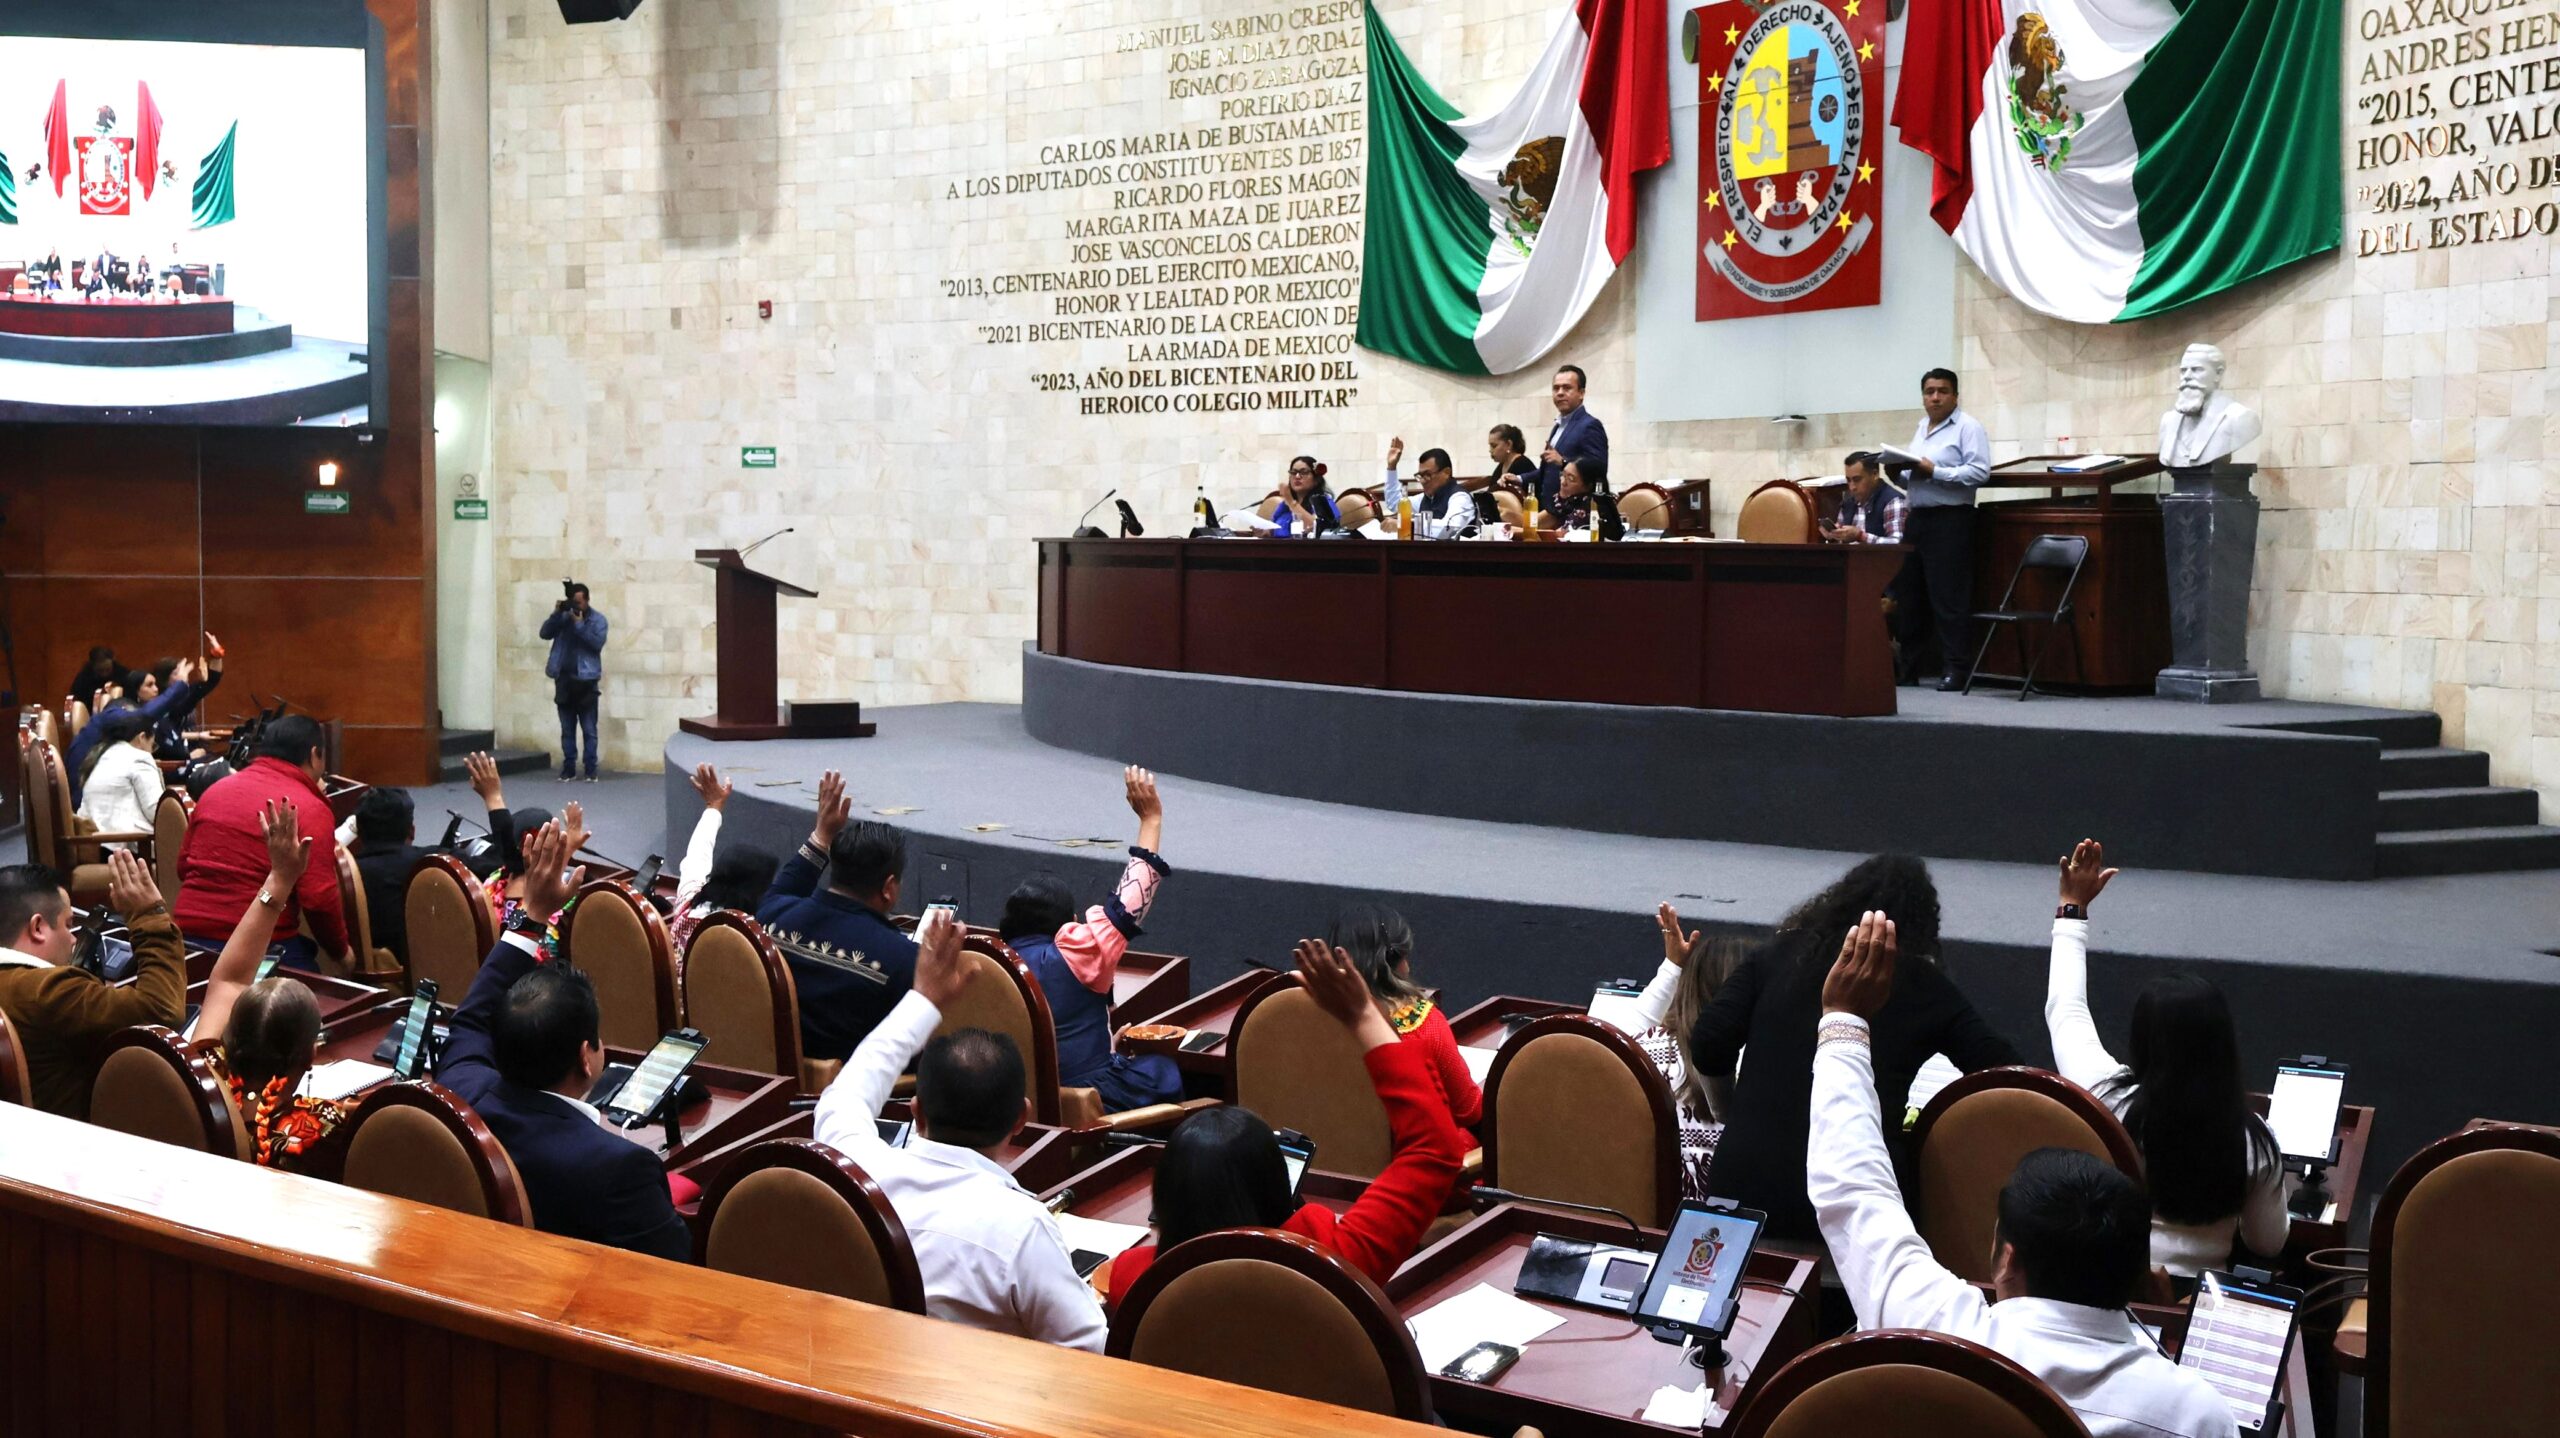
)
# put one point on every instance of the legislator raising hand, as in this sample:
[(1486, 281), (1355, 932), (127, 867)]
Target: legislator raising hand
[(1861, 979), (131, 891), (835, 810), (1334, 982), (549, 880), (943, 967), (483, 769), (1676, 946), (2084, 873), (713, 789)]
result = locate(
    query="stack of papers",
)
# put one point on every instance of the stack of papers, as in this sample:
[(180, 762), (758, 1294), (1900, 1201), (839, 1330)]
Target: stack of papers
[(343, 1078), (1095, 1236), (1482, 1314), (2082, 464), (1688, 1408)]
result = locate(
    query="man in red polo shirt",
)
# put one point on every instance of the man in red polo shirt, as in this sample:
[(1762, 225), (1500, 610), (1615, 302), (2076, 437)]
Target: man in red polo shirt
[(224, 864)]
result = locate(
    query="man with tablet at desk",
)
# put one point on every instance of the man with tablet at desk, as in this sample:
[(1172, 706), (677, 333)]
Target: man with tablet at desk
[(2074, 1240)]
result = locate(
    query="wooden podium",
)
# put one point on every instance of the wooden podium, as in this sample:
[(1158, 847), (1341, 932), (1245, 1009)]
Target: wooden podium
[(748, 708)]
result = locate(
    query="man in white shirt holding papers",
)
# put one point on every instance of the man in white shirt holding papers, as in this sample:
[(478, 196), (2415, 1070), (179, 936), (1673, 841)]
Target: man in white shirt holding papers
[(2073, 1240), (991, 1255), (1948, 461)]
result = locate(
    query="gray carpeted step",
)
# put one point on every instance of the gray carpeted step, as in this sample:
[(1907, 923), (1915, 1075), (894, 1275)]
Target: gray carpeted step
[(453, 743), (2467, 851), (2433, 768), (2470, 806), (2396, 731), (510, 761)]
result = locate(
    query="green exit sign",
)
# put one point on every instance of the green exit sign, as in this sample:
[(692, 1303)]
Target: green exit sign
[(759, 456), (324, 501), (471, 509)]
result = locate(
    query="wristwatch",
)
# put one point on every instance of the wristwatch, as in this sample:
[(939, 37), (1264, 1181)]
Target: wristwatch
[(2071, 911), (528, 925), (270, 898)]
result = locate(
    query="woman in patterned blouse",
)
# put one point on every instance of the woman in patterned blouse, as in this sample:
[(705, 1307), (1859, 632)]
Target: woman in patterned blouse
[(270, 1030), (1692, 970)]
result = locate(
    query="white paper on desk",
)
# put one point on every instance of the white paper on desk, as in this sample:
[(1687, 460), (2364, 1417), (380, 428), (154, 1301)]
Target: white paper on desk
[(1688, 1408), (344, 1077), (1479, 1062), (1482, 1314), (1247, 522), (1095, 1236), (2082, 464)]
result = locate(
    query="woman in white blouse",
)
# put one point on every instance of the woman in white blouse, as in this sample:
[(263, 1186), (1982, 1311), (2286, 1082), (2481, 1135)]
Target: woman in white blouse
[(2212, 1165), (1692, 970), (123, 789)]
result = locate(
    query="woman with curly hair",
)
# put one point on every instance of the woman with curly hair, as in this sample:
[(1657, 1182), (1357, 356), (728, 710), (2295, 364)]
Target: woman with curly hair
[(1771, 1005)]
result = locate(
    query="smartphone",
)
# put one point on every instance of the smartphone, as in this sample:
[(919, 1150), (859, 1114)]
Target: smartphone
[(2239, 1327), (2302, 1108), (1203, 1040), (647, 878), (1618, 1003), (1481, 1364), (267, 968), (657, 1075), (894, 1131), (1297, 1153), (410, 1060), (1695, 1285)]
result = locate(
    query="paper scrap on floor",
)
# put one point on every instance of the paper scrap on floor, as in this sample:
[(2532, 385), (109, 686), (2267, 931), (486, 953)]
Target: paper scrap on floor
[(1095, 1236), (1479, 1062), (337, 1080), (1482, 1314)]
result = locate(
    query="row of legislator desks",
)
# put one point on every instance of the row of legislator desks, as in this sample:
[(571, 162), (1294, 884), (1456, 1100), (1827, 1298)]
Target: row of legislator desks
[(1781, 628)]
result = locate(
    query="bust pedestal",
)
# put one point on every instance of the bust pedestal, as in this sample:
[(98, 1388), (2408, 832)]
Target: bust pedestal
[(2210, 521)]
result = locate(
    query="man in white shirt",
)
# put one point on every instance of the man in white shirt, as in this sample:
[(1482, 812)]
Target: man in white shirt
[(1954, 459), (1442, 510), (992, 1257), (2074, 1240)]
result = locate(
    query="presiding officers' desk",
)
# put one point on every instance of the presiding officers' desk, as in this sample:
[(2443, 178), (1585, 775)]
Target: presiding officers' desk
[(153, 1289), (1779, 628)]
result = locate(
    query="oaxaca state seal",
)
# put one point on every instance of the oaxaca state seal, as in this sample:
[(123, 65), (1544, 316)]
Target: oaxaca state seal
[(1790, 204)]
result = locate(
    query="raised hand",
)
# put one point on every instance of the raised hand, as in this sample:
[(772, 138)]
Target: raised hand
[(549, 881), (1335, 984), (943, 969), (1676, 947), (1141, 784), (483, 769), (835, 810), (212, 646), (1395, 451), (2084, 873), (288, 853), (1861, 979), (713, 789), (573, 822), (185, 673), (130, 887)]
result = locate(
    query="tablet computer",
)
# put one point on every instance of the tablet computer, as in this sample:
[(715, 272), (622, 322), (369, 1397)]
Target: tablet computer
[(1618, 1003), (2239, 1328), (654, 1078), (2302, 1108), (1696, 1284), (411, 1052)]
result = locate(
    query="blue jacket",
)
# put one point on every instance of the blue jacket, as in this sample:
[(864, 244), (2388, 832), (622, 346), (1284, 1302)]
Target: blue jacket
[(1578, 435), (849, 963), (577, 646), (583, 1181), (177, 699)]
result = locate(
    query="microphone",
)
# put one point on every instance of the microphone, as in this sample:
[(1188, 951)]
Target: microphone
[(1130, 528), (1085, 530), (1488, 1194), (1131, 1140), (768, 539)]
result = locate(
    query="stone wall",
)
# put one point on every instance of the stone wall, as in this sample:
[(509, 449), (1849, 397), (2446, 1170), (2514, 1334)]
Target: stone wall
[(653, 181)]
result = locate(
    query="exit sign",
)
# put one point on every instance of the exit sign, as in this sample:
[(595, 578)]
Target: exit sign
[(471, 509), (324, 501), (759, 456)]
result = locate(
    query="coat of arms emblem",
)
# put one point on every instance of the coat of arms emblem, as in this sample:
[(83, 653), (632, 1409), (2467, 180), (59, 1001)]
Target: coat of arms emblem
[(2040, 112), (1528, 187)]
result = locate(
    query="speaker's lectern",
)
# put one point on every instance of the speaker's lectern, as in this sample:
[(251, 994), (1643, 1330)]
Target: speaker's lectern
[(746, 664)]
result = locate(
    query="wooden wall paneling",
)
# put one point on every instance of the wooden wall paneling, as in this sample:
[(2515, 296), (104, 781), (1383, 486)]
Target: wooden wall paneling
[(309, 640)]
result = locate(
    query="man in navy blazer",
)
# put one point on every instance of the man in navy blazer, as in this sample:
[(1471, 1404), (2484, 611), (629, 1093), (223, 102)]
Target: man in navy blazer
[(523, 1053), (1577, 434)]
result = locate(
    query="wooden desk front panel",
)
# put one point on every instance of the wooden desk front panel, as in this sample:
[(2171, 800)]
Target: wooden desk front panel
[(1782, 628), (151, 1289), (2122, 601)]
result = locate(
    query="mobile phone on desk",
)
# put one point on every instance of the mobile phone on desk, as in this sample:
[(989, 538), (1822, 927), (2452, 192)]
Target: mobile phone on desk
[(1297, 1155), (653, 1082), (1203, 1040), (647, 878), (2302, 1108), (410, 1057), (2240, 1324)]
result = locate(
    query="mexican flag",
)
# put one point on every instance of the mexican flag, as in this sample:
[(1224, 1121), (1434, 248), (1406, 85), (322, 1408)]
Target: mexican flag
[(1489, 236), (2104, 160)]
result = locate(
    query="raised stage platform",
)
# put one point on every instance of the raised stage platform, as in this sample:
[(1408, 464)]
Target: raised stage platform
[(131, 318), (2439, 990)]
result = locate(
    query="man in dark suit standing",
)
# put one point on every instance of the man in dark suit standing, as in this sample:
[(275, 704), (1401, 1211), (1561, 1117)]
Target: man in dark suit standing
[(524, 1052), (387, 849), (1577, 435)]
